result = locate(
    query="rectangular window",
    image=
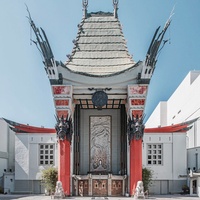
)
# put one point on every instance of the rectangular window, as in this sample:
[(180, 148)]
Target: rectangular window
[(154, 157), (46, 152)]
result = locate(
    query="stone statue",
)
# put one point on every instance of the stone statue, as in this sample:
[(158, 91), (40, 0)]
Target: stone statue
[(59, 193), (139, 190)]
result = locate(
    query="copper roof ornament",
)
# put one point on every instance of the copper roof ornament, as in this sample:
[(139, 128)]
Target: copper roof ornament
[(115, 4), (85, 5)]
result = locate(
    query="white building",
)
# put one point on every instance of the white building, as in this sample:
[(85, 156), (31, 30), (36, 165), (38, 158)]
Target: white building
[(161, 155), (23, 156), (7, 163), (182, 106), (33, 153)]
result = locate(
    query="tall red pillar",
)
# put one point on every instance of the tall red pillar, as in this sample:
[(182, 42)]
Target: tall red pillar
[(64, 165), (135, 163)]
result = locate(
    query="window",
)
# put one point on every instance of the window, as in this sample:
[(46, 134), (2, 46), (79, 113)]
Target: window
[(46, 152), (154, 154)]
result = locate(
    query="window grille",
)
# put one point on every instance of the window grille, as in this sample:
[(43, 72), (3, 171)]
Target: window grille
[(154, 154), (46, 153)]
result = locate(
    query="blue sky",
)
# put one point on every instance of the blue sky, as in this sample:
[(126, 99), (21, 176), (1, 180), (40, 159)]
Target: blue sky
[(25, 92)]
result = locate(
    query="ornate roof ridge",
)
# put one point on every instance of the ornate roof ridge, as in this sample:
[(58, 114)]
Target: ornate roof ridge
[(99, 13)]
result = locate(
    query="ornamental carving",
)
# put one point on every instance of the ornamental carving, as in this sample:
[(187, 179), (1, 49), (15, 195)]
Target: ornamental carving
[(64, 128), (135, 128), (100, 143)]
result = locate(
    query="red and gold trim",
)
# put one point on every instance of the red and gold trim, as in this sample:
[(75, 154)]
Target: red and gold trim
[(63, 100)]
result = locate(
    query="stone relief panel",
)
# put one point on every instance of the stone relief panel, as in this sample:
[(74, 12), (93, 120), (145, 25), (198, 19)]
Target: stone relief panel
[(100, 143)]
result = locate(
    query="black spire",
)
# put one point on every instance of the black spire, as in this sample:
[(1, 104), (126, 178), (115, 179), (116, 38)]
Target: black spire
[(85, 5), (115, 4)]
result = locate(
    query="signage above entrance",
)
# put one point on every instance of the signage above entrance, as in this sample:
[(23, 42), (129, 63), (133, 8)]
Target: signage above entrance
[(99, 99)]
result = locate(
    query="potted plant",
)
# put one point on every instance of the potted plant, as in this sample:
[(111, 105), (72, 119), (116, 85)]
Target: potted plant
[(186, 189)]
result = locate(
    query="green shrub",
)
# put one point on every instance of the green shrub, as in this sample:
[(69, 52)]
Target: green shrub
[(147, 178), (49, 179)]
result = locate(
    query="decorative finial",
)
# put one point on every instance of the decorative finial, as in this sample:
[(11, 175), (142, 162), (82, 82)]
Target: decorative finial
[(85, 5), (115, 4)]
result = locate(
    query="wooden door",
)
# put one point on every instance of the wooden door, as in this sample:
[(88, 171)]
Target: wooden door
[(100, 187)]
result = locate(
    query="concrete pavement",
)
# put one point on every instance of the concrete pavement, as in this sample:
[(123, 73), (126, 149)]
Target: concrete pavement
[(42, 197)]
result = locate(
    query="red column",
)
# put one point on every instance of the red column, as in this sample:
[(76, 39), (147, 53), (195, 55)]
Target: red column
[(135, 163), (64, 165)]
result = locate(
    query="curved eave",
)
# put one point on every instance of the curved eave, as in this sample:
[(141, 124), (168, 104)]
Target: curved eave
[(181, 127), (22, 128), (19, 129), (128, 76), (167, 129), (106, 75)]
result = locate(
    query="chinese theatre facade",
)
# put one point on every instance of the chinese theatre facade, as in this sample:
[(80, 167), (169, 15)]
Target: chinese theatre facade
[(99, 95)]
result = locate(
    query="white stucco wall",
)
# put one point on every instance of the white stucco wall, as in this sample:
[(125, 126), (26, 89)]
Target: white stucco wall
[(6, 147), (193, 155), (174, 145), (27, 154), (3, 165), (184, 105), (159, 116), (4, 136)]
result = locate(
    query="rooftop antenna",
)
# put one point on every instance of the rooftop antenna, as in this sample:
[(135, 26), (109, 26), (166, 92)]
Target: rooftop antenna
[(115, 4), (85, 5)]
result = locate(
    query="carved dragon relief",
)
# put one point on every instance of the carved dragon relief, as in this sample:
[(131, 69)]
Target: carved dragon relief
[(135, 128), (64, 128), (100, 143)]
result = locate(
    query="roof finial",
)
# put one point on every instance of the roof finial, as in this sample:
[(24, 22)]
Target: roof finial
[(115, 4), (85, 5)]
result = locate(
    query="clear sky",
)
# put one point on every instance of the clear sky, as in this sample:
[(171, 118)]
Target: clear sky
[(25, 92)]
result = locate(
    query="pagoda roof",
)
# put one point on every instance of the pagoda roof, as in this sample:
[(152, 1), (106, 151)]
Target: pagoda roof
[(100, 48)]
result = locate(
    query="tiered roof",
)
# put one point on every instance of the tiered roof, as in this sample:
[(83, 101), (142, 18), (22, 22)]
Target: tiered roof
[(99, 48)]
